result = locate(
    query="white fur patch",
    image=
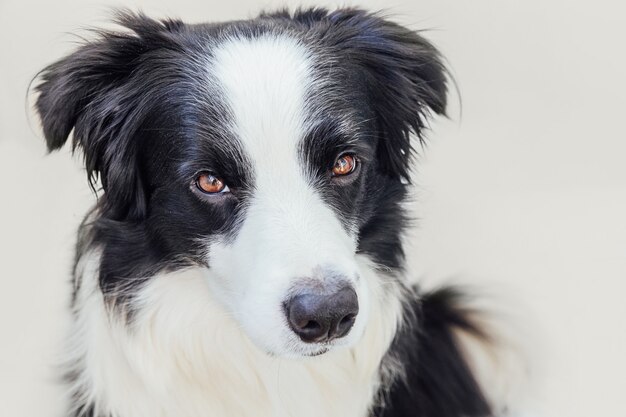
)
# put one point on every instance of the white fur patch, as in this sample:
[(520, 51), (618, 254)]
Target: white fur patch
[(288, 234)]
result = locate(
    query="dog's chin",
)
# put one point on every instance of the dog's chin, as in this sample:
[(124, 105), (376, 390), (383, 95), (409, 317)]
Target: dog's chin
[(319, 352), (295, 354), (304, 350)]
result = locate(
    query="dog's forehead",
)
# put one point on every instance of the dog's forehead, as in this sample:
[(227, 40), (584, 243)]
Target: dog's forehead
[(265, 82)]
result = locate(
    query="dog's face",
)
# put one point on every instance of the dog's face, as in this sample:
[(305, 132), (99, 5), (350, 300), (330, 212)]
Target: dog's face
[(273, 153)]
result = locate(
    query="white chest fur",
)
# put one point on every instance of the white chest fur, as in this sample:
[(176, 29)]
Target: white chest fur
[(184, 356)]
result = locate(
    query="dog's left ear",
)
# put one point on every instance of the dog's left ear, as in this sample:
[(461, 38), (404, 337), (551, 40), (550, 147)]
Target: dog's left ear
[(405, 76)]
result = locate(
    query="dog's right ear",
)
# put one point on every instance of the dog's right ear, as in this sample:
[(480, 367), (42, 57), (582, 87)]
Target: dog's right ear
[(91, 92), (76, 85)]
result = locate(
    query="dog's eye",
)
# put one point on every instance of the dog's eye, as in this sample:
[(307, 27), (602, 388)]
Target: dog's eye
[(344, 165), (210, 184)]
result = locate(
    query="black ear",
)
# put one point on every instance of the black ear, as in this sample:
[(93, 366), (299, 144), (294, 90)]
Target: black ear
[(92, 92), (406, 79)]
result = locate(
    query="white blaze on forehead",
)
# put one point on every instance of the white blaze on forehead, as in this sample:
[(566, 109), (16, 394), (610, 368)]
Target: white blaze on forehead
[(265, 81)]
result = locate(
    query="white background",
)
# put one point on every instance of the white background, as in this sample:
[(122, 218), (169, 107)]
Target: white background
[(524, 195)]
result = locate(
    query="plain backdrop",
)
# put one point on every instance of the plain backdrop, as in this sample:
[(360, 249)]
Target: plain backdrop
[(522, 194)]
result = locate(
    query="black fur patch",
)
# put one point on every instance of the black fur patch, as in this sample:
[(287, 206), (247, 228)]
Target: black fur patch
[(437, 380)]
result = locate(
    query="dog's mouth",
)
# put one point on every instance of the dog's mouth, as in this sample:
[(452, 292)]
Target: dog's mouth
[(318, 352), (311, 352)]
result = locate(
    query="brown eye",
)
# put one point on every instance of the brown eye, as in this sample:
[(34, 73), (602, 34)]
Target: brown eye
[(345, 164), (210, 184)]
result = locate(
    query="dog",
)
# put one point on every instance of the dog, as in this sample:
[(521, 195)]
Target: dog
[(245, 255)]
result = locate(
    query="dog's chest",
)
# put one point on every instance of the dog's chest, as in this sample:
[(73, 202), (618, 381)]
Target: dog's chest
[(196, 362), (269, 390)]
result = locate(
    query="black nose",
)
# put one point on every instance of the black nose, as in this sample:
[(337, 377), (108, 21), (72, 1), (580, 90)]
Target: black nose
[(322, 315)]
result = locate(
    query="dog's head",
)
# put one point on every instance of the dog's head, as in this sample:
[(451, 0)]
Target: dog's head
[(273, 153)]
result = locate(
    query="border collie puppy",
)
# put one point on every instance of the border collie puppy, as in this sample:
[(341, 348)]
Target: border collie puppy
[(245, 256)]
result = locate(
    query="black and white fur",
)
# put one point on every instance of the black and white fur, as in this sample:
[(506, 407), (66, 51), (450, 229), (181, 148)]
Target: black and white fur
[(178, 295)]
